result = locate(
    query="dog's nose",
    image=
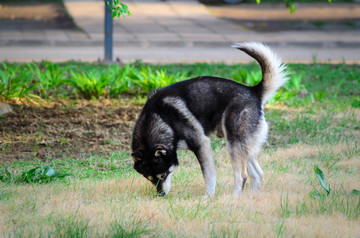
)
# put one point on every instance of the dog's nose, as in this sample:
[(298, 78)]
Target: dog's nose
[(160, 192)]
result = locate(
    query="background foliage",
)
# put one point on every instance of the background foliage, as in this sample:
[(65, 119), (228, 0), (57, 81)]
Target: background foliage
[(74, 80)]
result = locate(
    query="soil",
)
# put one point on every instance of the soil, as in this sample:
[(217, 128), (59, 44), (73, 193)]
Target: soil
[(66, 129), (34, 16)]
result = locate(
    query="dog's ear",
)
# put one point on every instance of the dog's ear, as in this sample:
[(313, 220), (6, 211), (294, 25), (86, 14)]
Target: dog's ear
[(136, 156), (159, 152)]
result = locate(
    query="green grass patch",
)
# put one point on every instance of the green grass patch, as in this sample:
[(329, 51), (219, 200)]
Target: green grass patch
[(313, 123), (34, 175), (88, 166), (308, 84)]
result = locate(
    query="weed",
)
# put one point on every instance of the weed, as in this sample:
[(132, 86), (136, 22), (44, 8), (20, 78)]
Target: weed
[(285, 208), (90, 84), (147, 80), (352, 150), (50, 80), (17, 82), (248, 78), (321, 177), (131, 229), (121, 82), (336, 202), (279, 227), (71, 227), (34, 175)]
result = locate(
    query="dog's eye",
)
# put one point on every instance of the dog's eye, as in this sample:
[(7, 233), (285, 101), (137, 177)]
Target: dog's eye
[(161, 176)]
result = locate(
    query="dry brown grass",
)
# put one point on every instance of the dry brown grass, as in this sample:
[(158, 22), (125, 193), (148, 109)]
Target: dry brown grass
[(277, 210)]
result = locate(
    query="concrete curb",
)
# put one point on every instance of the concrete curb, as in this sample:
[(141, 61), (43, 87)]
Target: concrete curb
[(178, 44)]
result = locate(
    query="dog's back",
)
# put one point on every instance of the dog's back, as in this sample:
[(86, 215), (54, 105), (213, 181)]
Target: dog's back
[(205, 97)]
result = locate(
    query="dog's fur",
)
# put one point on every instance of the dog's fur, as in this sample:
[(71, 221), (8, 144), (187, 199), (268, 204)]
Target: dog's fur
[(184, 114)]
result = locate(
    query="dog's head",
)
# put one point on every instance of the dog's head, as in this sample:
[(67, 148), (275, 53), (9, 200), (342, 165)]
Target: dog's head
[(156, 165)]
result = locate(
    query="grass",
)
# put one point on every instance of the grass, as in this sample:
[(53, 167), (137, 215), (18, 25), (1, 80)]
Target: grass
[(309, 84), (125, 204), (313, 124)]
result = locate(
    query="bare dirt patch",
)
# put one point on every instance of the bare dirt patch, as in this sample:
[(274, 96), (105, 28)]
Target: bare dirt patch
[(66, 130)]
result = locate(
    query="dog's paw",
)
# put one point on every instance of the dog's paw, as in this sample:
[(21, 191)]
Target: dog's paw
[(161, 194), (205, 197), (237, 193)]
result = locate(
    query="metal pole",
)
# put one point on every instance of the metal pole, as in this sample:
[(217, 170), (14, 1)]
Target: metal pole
[(108, 33)]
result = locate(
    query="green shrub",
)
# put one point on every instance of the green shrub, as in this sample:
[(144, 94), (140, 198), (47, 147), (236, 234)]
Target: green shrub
[(34, 175), (17, 82)]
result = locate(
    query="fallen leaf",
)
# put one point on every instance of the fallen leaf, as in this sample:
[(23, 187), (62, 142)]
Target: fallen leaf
[(41, 154)]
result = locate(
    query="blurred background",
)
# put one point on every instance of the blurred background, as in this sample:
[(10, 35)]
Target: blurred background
[(179, 31)]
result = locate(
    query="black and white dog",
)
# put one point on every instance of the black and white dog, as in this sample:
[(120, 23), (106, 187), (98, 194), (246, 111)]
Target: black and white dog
[(184, 114)]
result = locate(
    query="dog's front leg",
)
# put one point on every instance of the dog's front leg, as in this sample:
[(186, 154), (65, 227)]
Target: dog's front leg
[(205, 157)]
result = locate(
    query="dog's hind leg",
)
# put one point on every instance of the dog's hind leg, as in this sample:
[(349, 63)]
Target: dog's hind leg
[(258, 138), (238, 125), (239, 159), (255, 173)]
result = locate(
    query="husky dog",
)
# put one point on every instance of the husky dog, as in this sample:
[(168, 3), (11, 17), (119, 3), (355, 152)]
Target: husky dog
[(184, 114)]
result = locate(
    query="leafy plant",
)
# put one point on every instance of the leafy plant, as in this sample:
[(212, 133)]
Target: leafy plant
[(244, 77), (90, 84), (147, 80), (50, 79), (356, 102), (121, 81), (118, 9), (290, 90), (16, 82), (34, 175), (320, 175)]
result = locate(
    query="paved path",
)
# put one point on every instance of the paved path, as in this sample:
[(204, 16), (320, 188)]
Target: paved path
[(172, 31)]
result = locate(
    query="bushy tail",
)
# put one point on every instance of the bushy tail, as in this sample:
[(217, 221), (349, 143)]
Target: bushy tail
[(273, 71)]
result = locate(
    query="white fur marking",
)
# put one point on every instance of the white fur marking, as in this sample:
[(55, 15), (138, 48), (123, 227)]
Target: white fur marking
[(255, 173), (179, 104), (182, 145), (172, 168), (275, 75), (166, 185)]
